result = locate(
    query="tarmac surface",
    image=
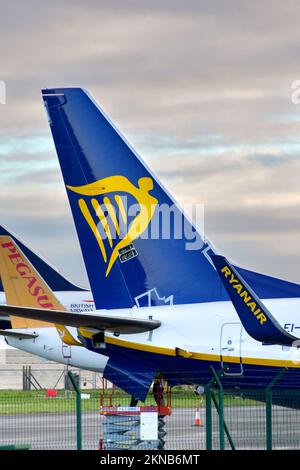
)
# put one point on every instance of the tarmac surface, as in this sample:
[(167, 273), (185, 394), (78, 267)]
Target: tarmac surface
[(246, 424)]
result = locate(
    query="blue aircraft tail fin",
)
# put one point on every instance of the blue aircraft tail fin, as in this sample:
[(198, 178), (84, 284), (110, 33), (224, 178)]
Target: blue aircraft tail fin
[(56, 281), (116, 203), (131, 257), (255, 317)]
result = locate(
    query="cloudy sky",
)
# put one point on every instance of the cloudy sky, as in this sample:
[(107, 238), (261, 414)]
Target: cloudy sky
[(201, 89)]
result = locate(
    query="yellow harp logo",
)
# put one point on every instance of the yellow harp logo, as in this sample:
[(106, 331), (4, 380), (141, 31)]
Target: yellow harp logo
[(116, 184)]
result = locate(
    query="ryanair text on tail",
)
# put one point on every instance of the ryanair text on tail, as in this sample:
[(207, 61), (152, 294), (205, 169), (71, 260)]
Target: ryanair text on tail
[(244, 294)]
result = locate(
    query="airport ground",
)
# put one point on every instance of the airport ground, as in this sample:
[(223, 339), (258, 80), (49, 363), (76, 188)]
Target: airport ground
[(54, 427)]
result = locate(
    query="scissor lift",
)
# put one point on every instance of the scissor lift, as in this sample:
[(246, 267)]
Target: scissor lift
[(123, 425)]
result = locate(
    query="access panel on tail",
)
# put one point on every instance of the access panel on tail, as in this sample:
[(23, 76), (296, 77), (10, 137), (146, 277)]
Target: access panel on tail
[(118, 204)]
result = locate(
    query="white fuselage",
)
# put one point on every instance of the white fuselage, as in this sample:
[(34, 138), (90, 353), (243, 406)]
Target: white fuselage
[(215, 329), (48, 344), (206, 328)]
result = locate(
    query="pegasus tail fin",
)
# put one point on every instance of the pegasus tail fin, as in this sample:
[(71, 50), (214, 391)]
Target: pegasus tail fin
[(55, 280), (23, 286)]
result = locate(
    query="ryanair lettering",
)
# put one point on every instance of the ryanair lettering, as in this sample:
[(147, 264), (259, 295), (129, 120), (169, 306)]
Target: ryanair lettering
[(25, 273), (251, 304)]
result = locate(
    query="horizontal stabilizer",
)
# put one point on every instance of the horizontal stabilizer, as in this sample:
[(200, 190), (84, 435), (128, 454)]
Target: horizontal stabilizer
[(113, 323), (255, 317), (18, 334)]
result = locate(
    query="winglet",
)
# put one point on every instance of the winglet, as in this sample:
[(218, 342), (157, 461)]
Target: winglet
[(255, 317)]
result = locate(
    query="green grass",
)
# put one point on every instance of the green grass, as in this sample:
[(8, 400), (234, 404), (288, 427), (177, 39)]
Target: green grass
[(16, 401)]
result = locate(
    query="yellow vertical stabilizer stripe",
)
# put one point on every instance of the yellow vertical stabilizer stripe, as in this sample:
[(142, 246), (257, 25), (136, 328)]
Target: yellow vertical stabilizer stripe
[(112, 213), (88, 217), (122, 210), (103, 220)]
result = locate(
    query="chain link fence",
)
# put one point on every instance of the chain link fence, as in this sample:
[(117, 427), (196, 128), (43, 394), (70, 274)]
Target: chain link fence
[(101, 418)]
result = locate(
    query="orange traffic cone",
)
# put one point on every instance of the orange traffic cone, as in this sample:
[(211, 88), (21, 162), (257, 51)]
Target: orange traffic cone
[(197, 421)]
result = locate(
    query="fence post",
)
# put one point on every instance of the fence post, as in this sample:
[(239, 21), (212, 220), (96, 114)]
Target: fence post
[(208, 415), (208, 410), (221, 408), (269, 397), (225, 426), (78, 411)]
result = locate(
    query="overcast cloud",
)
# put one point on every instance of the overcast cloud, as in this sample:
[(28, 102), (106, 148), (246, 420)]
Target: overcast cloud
[(202, 89)]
